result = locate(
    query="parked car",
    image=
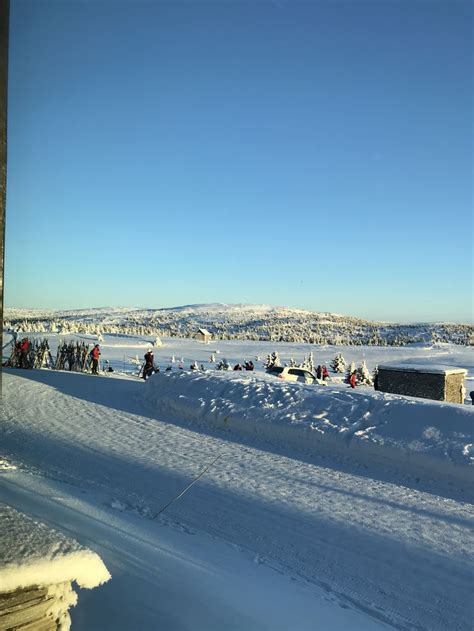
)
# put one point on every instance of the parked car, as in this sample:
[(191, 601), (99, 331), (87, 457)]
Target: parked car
[(289, 373)]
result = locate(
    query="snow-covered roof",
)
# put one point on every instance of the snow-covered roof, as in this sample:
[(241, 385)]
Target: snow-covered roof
[(204, 331), (437, 369), (31, 553)]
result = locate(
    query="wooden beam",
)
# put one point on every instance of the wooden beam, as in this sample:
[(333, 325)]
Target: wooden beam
[(4, 30)]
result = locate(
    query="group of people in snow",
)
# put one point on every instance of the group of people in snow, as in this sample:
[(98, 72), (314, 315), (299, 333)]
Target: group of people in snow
[(36, 353), (20, 354), (247, 365), (22, 349), (26, 353), (322, 372)]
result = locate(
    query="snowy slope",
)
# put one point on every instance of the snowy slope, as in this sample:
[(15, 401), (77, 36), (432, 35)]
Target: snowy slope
[(367, 537)]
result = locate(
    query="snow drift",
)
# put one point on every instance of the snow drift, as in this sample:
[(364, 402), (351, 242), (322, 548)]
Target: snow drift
[(413, 435)]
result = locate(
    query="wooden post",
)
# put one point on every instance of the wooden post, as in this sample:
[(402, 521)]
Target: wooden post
[(4, 23)]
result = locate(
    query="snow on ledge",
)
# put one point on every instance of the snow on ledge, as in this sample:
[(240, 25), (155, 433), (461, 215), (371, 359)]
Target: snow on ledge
[(34, 554)]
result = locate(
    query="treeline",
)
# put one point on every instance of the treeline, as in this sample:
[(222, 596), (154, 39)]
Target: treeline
[(301, 328)]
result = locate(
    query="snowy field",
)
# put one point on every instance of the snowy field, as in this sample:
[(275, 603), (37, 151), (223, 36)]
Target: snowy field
[(326, 508), (123, 351)]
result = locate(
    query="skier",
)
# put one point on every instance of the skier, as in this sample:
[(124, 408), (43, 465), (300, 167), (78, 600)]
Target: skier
[(325, 372), (319, 372), (95, 354), (471, 394), (353, 380), (149, 368)]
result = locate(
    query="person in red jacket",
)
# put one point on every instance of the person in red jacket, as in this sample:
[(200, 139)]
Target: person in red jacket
[(95, 354), (353, 380), (24, 348)]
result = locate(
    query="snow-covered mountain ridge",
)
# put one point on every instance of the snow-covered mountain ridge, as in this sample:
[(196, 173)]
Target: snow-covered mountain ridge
[(238, 321)]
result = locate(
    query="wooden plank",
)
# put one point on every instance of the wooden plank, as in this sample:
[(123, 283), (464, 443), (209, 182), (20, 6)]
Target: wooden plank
[(45, 624), (11, 600), (31, 602), (26, 614)]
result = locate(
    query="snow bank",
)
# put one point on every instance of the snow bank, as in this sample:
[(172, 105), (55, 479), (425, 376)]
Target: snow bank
[(34, 554), (377, 428)]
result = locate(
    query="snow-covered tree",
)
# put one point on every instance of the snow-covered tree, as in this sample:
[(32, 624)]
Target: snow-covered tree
[(212, 359), (173, 359), (308, 362), (363, 374), (157, 342), (272, 360), (338, 363)]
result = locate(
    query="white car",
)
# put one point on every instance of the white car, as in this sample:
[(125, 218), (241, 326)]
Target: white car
[(290, 373)]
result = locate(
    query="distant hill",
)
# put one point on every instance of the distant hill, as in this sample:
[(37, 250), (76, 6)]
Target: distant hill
[(238, 321)]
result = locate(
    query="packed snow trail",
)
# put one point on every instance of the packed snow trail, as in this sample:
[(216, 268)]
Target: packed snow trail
[(402, 554), (164, 577)]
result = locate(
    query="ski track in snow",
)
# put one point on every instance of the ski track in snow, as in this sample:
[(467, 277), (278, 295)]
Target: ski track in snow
[(400, 553)]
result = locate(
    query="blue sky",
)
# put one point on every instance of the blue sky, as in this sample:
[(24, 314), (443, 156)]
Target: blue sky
[(307, 154)]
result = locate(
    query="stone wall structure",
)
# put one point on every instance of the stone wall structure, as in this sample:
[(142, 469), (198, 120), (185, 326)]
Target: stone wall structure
[(440, 383)]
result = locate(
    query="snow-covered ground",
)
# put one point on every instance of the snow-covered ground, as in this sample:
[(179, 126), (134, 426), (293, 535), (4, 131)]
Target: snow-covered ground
[(415, 437), (120, 350), (283, 531)]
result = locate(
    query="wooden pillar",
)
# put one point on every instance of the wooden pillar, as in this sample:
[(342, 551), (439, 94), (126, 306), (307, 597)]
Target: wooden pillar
[(4, 23)]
